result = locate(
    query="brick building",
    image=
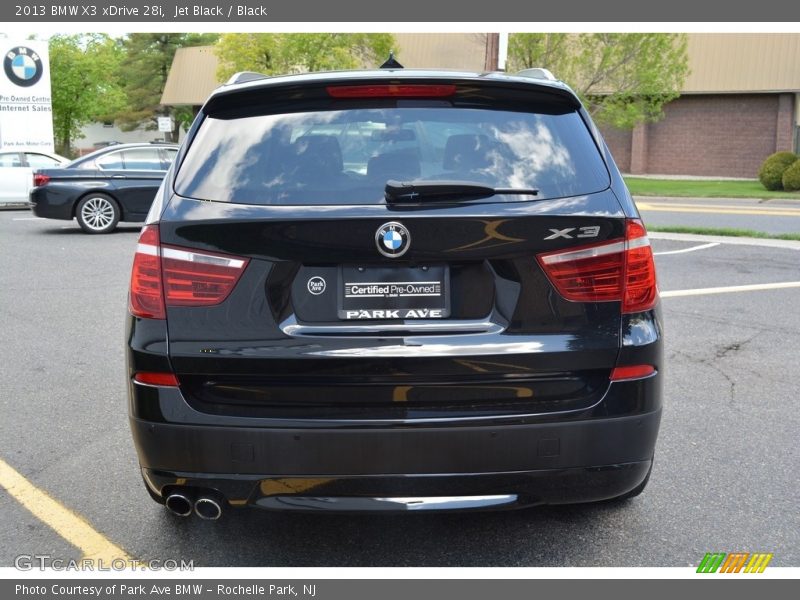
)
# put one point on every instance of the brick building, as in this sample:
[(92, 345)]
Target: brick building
[(740, 104)]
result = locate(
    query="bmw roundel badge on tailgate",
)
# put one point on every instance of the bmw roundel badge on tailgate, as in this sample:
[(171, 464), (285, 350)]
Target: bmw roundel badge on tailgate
[(392, 239)]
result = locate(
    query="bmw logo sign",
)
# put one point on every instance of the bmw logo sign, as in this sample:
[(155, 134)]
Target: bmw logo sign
[(392, 239), (23, 66)]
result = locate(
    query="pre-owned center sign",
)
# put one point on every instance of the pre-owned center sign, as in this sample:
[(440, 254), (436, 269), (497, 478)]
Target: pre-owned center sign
[(26, 114)]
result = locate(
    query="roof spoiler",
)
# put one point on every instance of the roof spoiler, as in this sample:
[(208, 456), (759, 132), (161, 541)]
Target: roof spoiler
[(244, 77), (537, 73)]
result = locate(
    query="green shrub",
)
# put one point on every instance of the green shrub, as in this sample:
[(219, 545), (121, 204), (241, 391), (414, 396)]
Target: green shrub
[(771, 173), (791, 177)]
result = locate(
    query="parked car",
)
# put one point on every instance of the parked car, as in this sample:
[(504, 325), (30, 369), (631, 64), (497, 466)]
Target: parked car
[(393, 290), (16, 172), (113, 184)]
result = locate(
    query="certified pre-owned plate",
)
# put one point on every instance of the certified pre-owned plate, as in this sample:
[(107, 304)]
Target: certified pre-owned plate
[(394, 293)]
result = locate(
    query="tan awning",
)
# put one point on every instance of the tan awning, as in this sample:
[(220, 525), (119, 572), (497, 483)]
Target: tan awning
[(192, 78), (743, 62)]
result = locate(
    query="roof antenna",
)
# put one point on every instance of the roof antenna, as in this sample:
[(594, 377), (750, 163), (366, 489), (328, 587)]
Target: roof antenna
[(392, 62)]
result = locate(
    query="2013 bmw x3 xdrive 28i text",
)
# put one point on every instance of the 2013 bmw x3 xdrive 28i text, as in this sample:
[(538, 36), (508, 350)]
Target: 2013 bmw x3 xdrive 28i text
[(393, 290)]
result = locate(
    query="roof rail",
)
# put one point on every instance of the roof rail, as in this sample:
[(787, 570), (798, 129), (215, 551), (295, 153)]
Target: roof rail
[(537, 73), (245, 76)]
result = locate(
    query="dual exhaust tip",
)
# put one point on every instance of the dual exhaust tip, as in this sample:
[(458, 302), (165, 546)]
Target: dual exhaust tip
[(206, 506)]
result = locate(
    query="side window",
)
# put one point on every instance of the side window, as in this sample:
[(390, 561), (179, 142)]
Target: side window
[(142, 159), (40, 161), (10, 159), (110, 162)]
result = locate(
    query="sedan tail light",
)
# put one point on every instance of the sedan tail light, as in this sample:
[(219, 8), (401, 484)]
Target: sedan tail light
[(40, 179), (620, 270), (174, 276)]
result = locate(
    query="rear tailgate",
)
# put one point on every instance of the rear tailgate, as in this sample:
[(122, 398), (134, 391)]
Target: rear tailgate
[(510, 338), (327, 318)]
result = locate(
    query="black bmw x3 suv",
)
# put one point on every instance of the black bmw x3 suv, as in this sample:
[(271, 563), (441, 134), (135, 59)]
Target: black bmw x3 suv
[(393, 290)]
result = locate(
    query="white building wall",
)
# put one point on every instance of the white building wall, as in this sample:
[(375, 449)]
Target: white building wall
[(95, 133)]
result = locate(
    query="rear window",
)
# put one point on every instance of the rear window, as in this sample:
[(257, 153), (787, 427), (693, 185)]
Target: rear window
[(347, 156)]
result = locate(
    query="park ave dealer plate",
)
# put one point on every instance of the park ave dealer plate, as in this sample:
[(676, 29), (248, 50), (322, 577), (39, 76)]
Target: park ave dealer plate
[(394, 292)]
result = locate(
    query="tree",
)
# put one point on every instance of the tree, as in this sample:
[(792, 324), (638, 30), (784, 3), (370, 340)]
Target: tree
[(622, 78), (148, 58), (83, 71), (273, 54)]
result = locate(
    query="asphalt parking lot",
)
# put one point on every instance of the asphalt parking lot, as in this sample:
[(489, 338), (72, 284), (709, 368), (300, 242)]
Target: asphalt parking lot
[(725, 477)]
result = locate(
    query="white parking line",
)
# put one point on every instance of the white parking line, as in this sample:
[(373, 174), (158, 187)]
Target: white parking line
[(683, 251), (733, 288), (25, 219), (736, 241)]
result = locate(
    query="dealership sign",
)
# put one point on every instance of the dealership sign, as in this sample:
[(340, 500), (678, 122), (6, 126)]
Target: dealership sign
[(26, 114)]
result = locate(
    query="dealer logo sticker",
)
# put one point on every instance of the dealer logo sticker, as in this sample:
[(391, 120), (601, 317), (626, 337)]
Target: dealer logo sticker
[(316, 285), (23, 66), (392, 239)]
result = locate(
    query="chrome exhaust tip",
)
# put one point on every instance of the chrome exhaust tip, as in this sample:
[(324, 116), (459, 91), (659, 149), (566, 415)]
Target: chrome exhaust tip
[(179, 504), (207, 508)]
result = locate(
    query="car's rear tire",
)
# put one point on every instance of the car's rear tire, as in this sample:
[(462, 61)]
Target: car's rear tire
[(97, 213)]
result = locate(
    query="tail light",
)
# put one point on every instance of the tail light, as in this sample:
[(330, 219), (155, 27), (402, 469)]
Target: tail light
[(194, 278), (146, 297), (39, 179), (620, 270), (172, 276)]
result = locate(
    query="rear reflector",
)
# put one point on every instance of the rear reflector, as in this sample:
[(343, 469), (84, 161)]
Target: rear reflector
[(40, 180), (620, 270), (391, 91), (171, 276), (631, 372), (166, 379)]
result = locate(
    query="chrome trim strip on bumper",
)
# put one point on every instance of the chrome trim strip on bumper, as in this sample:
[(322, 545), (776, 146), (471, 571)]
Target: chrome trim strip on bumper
[(427, 326), (357, 503)]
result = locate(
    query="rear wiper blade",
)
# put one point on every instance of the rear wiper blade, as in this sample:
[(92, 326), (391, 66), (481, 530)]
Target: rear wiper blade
[(420, 191)]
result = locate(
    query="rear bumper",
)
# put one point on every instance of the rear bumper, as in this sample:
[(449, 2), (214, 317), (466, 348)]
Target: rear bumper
[(388, 493), (51, 205), (347, 469), (545, 456)]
